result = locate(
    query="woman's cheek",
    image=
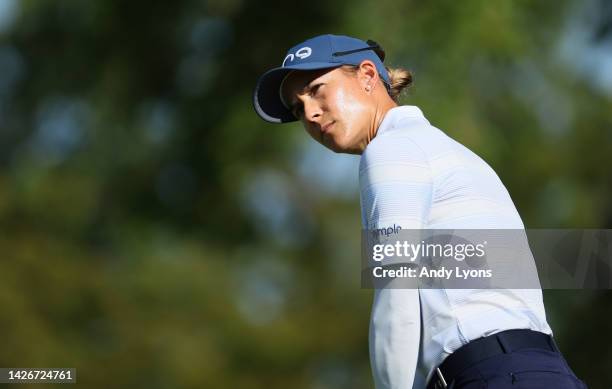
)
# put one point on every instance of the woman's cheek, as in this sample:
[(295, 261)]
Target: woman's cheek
[(348, 107)]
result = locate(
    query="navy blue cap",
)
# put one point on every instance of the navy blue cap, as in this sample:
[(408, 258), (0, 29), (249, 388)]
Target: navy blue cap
[(320, 52)]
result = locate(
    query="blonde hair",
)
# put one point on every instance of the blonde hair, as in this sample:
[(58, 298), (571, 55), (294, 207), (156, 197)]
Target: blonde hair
[(399, 78)]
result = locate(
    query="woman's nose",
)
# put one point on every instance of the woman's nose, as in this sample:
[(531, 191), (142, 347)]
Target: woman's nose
[(312, 111)]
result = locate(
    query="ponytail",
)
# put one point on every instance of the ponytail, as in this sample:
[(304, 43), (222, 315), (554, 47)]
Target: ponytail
[(399, 80)]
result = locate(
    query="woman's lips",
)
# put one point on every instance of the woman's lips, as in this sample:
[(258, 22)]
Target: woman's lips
[(325, 128)]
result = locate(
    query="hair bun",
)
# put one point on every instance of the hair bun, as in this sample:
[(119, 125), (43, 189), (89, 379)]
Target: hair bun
[(400, 80)]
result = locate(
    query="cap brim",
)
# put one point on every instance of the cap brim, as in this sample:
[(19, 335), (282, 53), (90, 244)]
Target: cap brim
[(266, 97)]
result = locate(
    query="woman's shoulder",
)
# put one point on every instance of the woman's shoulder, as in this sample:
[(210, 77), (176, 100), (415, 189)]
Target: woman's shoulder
[(407, 140), (395, 146)]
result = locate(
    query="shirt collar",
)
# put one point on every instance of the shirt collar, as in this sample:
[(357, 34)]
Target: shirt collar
[(399, 115)]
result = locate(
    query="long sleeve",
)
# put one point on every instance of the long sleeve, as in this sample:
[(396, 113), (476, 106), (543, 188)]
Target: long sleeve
[(396, 190)]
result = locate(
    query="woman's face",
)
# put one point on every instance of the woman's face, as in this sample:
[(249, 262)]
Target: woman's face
[(335, 106)]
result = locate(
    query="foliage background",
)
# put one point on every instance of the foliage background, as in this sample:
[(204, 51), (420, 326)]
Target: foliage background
[(155, 233)]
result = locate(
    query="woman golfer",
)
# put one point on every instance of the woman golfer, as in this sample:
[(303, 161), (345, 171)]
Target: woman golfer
[(414, 176)]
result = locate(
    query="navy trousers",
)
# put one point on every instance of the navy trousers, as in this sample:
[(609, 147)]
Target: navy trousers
[(526, 368)]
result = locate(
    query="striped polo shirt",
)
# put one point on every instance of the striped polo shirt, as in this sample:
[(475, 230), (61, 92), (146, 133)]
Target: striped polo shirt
[(415, 176)]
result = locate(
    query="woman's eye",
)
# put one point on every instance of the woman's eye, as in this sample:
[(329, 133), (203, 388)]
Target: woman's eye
[(315, 89)]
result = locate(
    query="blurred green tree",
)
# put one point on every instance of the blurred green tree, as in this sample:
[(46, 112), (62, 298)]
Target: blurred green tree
[(157, 234)]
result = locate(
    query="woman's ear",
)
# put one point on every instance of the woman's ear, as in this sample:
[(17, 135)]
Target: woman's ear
[(367, 75)]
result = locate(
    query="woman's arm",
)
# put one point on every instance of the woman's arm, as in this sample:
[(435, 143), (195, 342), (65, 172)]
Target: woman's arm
[(395, 332), (396, 189)]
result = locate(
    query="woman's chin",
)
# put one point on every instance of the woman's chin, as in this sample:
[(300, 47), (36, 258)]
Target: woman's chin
[(339, 145)]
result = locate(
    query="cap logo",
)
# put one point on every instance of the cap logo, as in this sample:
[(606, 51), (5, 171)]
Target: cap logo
[(304, 52), (301, 53)]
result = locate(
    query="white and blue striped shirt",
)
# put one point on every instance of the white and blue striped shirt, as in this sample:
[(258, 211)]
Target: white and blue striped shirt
[(415, 176)]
